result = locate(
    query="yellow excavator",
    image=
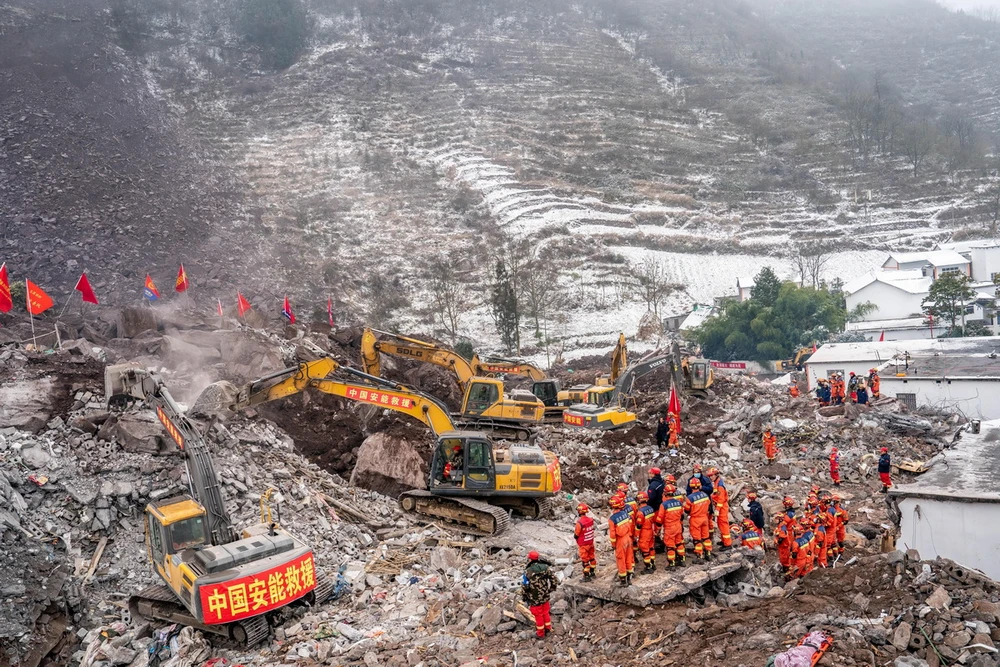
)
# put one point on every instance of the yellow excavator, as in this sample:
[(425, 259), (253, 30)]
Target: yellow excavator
[(471, 482), (486, 402), (607, 410), (214, 578), (604, 384), (795, 363)]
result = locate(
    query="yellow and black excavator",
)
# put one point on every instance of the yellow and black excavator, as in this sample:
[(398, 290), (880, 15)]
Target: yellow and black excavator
[(471, 482), (486, 402), (604, 384), (608, 410), (796, 362), (215, 578)]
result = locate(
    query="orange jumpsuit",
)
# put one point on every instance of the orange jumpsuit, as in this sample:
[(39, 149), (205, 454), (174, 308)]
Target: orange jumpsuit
[(671, 517), (584, 532), (632, 505), (620, 529), (770, 446), (802, 556), (837, 391), (793, 391), (720, 498), (832, 523), (842, 518), (699, 508), (835, 467), (783, 538), (751, 539), (874, 382), (674, 429), (821, 535), (646, 527)]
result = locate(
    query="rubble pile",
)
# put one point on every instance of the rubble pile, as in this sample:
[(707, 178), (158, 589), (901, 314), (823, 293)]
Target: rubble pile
[(75, 478)]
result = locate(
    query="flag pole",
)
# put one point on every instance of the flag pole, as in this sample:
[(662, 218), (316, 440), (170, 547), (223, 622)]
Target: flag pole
[(31, 318)]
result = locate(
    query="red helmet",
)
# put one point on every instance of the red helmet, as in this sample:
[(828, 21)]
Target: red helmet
[(642, 496), (713, 472), (456, 448), (814, 490), (788, 502), (617, 502), (812, 500), (669, 488), (654, 471), (696, 467), (752, 495), (885, 450), (533, 555), (695, 483), (872, 370), (836, 498), (834, 450), (749, 525), (670, 478), (622, 487), (582, 508), (797, 529), (807, 522), (852, 373)]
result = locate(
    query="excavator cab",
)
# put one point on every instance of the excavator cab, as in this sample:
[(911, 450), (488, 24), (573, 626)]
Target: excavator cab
[(547, 391), (600, 396), (463, 462), (485, 398)]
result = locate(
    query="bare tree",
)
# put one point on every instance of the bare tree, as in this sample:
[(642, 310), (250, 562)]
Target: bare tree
[(810, 260), (653, 284), (993, 204), (448, 281), (540, 281), (917, 141)]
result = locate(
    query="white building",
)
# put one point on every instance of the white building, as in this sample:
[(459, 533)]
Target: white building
[(897, 294), (948, 511), (907, 328), (933, 264), (984, 255)]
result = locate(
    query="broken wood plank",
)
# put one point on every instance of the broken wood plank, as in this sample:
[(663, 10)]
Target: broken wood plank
[(96, 558)]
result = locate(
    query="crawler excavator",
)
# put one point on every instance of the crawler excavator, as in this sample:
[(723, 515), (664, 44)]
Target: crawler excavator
[(486, 404), (471, 482), (604, 384), (608, 410), (215, 579)]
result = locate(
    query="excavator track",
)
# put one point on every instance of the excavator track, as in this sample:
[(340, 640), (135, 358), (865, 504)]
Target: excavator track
[(499, 429), (468, 515), (158, 603)]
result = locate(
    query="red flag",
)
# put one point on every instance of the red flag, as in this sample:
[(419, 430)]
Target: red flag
[(85, 290), (181, 284), (881, 338), (242, 305), (149, 289), (674, 406), (329, 310), (6, 302), (38, 300), (286, 310), (219, 308), (814, 348)]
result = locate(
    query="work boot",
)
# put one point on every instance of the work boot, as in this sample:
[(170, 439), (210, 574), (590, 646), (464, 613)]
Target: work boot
[(623, 580), (631, 576), (652, 566), (681, 561)]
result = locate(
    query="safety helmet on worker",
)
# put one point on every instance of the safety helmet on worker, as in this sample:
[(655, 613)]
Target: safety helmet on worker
[(713, 472), (654, 471), (669, 488), (533, 555), (582, 509), (752, 495), (695, 483), (617, 502), (642, 496), (885, 450)]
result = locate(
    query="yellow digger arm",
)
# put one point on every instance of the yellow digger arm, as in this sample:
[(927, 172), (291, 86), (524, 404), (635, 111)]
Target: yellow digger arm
[(507, 367), (398, 398), (412, 348)]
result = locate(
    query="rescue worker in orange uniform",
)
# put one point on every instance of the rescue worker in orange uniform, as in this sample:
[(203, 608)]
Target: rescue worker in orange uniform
[(874, 383), (674, 430), (837, 389), (698, 507), (832, 522), (835, 466), (720, 500), (620, 529), (584, 533), (750, 538), (793, 390), (821, 535), (770, 445), (802, 549), (671, 517), (842, 518), (646, 528), (784, 534)]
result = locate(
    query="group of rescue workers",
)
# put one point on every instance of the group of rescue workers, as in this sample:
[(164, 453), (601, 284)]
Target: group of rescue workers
[(858, 389)]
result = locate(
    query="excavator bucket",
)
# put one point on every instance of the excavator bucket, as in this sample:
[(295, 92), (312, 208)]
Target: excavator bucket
[(114, 387)]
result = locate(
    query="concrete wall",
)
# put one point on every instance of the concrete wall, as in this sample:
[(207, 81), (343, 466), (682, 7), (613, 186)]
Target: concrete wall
[(954, 530), (977, 399), (893, 303), (985, 262)]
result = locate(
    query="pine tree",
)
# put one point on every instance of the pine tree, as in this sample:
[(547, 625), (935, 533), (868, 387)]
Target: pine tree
[(504, 308)]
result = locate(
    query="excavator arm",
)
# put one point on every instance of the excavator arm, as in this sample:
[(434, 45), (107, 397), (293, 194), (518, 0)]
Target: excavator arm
[(645, 366), (499, 365), (131, 382), (412, 348), (619, 359), (357, 386)]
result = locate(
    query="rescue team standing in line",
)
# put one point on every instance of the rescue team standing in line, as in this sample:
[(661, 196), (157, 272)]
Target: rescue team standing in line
[(857, 390)]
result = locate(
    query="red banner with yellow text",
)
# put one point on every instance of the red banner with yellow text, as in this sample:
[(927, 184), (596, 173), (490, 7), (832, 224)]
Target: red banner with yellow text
[(378, 397)]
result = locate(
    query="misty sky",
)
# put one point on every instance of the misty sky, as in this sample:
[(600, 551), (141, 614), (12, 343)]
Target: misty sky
[(970, 4)]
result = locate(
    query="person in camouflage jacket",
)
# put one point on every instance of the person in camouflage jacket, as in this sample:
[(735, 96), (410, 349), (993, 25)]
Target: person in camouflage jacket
[(537, 585)]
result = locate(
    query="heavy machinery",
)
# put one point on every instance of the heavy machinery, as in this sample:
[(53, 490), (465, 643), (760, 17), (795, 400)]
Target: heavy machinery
[(604, 384), (471, 482), (795, 362), (699, 376), (486, 403), (215, 579), (608, 410)]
